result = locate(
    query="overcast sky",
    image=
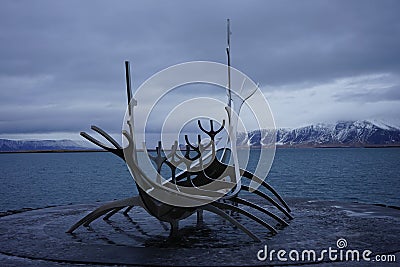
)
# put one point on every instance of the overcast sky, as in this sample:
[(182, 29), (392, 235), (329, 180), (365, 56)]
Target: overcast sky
[(61, 62)]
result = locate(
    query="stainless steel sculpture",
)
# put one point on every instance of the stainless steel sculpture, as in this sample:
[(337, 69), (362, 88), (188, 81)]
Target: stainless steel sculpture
[(204, 165)]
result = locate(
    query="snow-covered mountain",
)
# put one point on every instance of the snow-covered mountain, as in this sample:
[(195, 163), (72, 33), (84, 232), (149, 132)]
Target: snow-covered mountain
[(344, 133), (40, 145)]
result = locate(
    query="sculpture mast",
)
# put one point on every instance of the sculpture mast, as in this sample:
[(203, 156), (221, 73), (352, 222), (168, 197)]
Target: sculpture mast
[(232, 121), (228, 50)]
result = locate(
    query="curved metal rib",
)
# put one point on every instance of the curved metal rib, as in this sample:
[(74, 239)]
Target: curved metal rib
[(259, 208), (116, 151), (132, 201), (127, 210), (211, 133), (265, 196), (96, 215), (106, 136), (221, 213), (251, 176), (161, 210), (245, 213), (195, 148), (95, 141), (158, 160), (111, 213)]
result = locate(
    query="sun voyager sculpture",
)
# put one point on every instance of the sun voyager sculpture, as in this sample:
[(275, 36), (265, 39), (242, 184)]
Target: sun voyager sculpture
[(185, 175)]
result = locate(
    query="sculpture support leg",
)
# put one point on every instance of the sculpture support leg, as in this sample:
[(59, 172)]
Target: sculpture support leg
[(174, 228), (199, 217)]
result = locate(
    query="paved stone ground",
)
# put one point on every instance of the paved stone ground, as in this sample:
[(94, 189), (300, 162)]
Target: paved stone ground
[(38, 238)]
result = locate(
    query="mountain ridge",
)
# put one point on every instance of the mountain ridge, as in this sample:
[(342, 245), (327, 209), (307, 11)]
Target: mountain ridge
[(362, 133), (7, 145)]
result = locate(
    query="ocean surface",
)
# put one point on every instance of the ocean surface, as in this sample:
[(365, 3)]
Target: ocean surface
[(34, 180)]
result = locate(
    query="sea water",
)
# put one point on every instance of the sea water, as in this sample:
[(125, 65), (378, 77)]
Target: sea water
[(34, 180)]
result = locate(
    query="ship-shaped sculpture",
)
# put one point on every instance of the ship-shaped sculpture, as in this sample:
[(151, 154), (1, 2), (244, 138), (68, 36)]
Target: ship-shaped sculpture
[(210, 179)]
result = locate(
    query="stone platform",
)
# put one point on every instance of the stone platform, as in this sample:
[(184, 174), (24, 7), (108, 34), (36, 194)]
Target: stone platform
[(38, 238)]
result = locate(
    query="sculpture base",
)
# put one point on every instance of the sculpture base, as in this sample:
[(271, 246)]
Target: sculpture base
[(38, 238)]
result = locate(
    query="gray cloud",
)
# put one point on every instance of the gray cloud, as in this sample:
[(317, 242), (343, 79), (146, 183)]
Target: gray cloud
[(370, 96), (61, 65)]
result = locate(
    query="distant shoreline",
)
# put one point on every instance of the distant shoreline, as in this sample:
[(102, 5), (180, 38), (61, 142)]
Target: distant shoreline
[(339, 146), (278, 146), (53, 151)]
